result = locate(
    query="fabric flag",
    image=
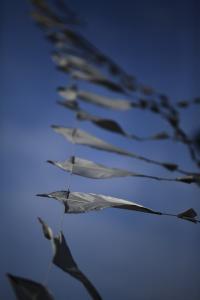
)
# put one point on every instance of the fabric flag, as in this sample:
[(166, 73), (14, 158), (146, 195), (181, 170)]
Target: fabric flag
[(76, 202), (78, 136), (90, 169), (72, 93), (63, 259), (26, 289)]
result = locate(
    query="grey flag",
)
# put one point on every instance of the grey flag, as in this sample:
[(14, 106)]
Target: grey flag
[(74, 62), (72, 93), (26, 289), (99, 80), (63, 259), (107, 124), (76, 202), (47, 231), (90, 169), (78, 136)]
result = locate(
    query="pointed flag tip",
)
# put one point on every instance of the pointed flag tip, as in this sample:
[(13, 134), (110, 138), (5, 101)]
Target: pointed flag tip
[(11, 277), (41, 195), (186, 179), (50, 162), (189, 213), (60, 88), (170, 166), (40, 220), (54, 126)]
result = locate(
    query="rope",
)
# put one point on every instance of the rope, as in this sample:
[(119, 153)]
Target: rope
[(69, 183)]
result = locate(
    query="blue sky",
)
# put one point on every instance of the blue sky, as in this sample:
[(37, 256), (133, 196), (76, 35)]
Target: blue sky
[(126, 255)]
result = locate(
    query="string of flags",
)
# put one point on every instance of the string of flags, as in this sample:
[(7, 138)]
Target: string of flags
[(74, 55)]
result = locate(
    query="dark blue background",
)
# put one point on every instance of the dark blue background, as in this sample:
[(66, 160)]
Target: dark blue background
[(126, 255)]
